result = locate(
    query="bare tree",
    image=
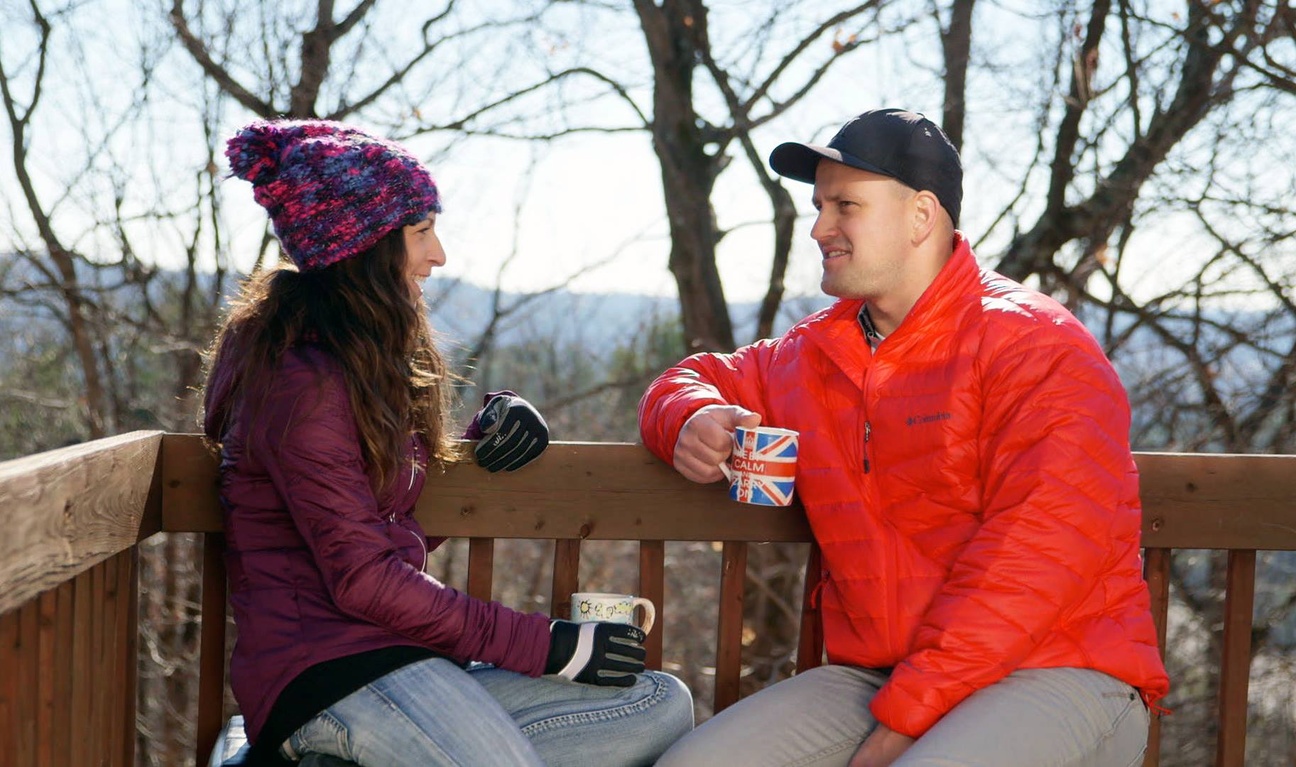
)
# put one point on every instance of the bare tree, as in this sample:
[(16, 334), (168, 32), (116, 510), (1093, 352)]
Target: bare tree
[(56, 263), (1147, 182), (1109, 139), (757, 84)]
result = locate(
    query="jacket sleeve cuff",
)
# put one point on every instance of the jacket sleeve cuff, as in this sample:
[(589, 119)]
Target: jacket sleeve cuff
[(474, 431), (903, 713)]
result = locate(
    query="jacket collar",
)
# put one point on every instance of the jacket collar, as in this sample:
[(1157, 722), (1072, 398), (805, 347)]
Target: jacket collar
[(959, 278), (838, 332)]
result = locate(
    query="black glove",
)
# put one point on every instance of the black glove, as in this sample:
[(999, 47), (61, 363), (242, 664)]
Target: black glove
[(515, 434), (606, 654)]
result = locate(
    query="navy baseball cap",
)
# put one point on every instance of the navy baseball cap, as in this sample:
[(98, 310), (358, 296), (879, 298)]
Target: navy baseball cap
[(892, 142)]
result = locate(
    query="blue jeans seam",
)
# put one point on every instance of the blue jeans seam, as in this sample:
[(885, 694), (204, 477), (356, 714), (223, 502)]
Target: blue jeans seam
[(602, 715), (336, 729), (391, 705)]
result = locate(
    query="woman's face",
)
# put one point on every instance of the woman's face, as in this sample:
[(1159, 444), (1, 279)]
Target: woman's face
[(423, 252)]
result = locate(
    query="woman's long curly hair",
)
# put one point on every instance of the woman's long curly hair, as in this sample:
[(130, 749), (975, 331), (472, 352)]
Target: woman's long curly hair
[(361, 312)]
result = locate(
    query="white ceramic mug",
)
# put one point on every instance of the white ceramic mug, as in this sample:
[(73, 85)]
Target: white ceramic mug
[(762, 465), (614, 608)]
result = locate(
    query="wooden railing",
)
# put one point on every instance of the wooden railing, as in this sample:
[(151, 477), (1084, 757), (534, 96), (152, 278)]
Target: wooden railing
[(72, 519)]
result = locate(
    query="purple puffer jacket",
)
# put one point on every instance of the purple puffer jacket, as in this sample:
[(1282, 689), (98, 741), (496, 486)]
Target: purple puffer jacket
[(318, 567)]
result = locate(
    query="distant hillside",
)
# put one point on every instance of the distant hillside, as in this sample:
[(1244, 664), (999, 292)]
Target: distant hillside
[(461, 311)]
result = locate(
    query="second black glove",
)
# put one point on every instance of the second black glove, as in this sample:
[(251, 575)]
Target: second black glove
[(515, 434), (607, 654)]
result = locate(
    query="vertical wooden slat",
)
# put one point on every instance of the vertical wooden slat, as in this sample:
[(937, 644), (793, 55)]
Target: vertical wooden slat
[(566, 575), (1235, 671), (481, 567), (1156, 571), (82, 684), (112, 680), (113, 636), (128, 670), (652, 586), (117, 668), (811, 644), (45, 673), (26, 692), (10, 661), (65, 623), (100, 693), (108, 663), (211, 646), (733, 576), (109, 695)]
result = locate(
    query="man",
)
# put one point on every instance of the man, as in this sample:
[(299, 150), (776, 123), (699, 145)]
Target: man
[(966, 469)]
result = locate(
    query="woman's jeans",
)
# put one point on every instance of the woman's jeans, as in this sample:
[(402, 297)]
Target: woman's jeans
[(435, 713), (1057, 717)]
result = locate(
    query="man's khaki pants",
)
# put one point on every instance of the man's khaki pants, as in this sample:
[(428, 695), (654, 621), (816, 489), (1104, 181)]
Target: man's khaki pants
[(1059, 717)]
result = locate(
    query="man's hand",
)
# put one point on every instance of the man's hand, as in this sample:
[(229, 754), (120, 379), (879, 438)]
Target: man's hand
[(707, 439), (882, 747), (512, 433)]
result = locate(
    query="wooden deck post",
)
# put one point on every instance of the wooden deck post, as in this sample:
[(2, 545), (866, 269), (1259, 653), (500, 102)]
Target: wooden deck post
[(211, 642)]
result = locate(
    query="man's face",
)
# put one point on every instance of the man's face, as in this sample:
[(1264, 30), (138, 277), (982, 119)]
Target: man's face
[(862, 231)]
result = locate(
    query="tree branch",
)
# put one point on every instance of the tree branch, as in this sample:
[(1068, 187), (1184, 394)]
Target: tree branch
[(215, 71)]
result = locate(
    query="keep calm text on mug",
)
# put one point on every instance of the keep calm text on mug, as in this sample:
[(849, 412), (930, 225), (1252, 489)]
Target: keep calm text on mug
[(614, 608), (762, 466)]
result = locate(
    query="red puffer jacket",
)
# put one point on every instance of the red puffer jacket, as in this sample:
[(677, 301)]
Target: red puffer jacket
[(321, 569), (970, 484)]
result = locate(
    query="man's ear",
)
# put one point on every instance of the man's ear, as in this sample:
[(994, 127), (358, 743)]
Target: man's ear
[(926, 214)]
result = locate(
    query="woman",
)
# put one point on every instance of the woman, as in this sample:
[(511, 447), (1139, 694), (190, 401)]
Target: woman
[(328, 401)]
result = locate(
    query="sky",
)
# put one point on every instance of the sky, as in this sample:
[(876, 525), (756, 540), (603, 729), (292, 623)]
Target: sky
[(596, 198), (586, 199)]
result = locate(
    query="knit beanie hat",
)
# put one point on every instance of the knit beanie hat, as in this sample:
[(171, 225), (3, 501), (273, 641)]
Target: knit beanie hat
[(332, 191)]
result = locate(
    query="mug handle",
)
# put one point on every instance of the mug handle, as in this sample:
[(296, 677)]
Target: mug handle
[(650, 612), (725, 468)]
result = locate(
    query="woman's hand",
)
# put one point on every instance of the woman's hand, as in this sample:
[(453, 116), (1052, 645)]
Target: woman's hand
[(601, 653), (513, 433)]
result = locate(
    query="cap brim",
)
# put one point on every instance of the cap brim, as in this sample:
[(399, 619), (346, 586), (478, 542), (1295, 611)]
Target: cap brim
[(799, 161)]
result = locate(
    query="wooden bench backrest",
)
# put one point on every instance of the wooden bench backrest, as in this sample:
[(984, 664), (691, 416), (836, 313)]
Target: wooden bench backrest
[(74, 516), (576, 492)]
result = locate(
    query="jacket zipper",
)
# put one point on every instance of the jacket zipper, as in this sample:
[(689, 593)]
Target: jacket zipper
[(422, 543), (868, 425), (868, 432)]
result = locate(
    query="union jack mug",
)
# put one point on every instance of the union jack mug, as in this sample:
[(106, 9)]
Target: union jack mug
[(762, 467)]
